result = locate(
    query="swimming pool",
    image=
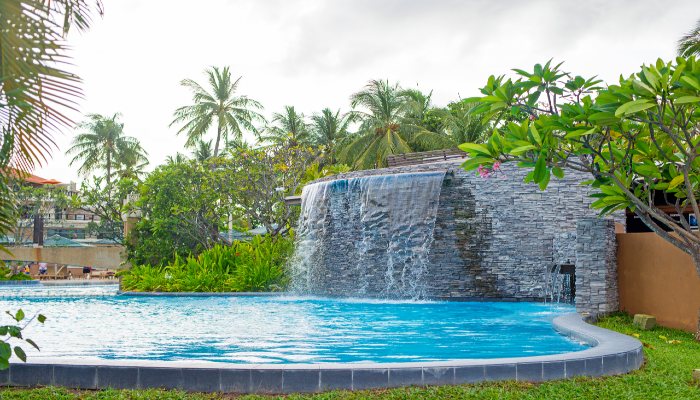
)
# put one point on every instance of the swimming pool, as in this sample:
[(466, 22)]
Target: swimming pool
[(96, 323)]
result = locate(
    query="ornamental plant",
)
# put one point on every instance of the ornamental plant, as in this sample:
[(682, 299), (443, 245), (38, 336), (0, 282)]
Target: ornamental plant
[(13, 332), (637, 139)]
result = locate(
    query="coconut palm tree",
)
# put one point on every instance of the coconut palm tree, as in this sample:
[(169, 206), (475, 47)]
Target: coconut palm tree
[(220, 106), (131, 165), (203, 150), (689, 44), (461, 124), (420, 122), (387, 126), (288, 128), (329, 130), (37, 91), (178, 158), (103, 146)]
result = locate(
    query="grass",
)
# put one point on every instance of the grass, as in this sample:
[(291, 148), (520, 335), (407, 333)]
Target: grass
[(671, 355)]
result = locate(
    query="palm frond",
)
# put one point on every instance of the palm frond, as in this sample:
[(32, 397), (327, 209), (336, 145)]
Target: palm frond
[(689, 44), (219, 106)]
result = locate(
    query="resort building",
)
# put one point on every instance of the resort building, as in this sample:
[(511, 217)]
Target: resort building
[(45, 215)]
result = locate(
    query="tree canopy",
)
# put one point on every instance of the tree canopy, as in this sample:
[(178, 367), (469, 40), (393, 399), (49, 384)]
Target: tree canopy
[(103, 146), (219, 106), (638, 139)]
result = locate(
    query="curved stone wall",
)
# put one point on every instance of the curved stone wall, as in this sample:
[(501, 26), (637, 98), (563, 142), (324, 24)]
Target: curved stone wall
[(612, 354)]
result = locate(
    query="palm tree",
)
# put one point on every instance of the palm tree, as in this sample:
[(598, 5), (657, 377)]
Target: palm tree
[(231, 113), (203, 150), (419, 121), (387, 126), (689, 44), (330, 131), (37, 92), (103, 146), (131, 165), (178, 158), (287, 129), (461, 124)]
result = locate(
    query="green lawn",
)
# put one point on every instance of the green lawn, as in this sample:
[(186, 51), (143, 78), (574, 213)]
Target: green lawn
[(666, 375)]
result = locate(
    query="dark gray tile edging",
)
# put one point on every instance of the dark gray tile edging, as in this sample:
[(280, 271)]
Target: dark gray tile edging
[(612, 353)]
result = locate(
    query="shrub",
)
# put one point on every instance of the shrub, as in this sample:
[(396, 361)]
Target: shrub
[(6, 275), (257, 265)]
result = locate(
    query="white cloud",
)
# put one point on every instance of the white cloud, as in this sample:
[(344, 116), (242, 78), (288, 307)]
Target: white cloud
[(315, 53)]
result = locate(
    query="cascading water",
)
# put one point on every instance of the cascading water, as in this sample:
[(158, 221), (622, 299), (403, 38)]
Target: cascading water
[(367, 236)]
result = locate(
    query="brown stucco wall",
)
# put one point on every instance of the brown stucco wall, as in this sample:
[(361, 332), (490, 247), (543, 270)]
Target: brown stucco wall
[(656, 278), (97, 256)]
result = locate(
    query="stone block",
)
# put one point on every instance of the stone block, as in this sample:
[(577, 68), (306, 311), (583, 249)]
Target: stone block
[(696, 375), (117, 377), (645, 321), (336, 379)]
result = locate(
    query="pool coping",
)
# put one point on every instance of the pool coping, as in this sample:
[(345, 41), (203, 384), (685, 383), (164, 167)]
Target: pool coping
[(612, 354)]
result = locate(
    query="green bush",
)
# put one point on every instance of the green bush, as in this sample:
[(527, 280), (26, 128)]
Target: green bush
[(6, 275), (257, 265)]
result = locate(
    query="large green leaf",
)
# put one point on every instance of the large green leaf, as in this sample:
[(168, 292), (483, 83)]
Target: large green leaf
[(633, 107), (474, 148), (677, 180), (540, 168), (687, 99), (521, 149)]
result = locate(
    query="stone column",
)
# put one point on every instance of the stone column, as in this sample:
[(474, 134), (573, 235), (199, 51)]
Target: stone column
[(596, 267)]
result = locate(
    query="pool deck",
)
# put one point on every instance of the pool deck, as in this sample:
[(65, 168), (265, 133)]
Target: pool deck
[(611, 354)]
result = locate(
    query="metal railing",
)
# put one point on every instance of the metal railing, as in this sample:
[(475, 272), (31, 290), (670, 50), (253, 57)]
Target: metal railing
[(65, 217)]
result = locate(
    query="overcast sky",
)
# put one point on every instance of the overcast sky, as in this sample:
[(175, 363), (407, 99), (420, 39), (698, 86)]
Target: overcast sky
[(313, 54)]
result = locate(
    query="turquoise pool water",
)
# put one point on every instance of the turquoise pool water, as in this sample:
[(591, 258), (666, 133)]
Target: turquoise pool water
[(97, 323)]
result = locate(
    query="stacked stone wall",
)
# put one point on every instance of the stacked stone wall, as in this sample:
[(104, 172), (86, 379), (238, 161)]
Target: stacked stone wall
[(499, 237)]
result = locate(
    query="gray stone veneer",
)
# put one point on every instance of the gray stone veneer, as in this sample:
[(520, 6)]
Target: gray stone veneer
[(596, 267), (498, 237)]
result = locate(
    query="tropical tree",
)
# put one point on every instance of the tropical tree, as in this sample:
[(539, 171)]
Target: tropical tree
[(36, 92), (181, 210), (109, 203), (329, 131), (422, 122), (203, 150), (689, 44), (130, 166), (178, 158), (232, 114), (288, 128), (461, 124), (639, 139), (387, 126), (103, 146), (36, 89), (258, 180)]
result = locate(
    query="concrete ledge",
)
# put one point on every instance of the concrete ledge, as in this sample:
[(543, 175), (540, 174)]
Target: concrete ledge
[(612, 354)]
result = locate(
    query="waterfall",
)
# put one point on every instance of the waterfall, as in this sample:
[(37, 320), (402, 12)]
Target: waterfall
[(367, 236)]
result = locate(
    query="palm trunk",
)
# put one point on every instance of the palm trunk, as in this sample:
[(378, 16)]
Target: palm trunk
[(109, 169), (218, 138)]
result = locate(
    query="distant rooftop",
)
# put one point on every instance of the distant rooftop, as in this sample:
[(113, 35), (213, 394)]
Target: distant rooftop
[(60, 241), (29, 178)]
